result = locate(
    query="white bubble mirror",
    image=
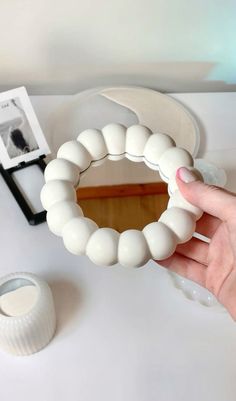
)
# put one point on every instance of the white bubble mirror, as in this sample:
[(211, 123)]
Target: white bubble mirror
[(105, 246), (126, 105)]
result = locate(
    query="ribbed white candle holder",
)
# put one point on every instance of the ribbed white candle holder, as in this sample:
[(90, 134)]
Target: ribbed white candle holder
[(29, 332)]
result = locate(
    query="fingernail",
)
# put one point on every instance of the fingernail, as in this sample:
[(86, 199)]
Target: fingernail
[(185, 175)]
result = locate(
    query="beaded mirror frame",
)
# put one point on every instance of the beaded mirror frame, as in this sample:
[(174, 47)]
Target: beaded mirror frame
[(105, 246)]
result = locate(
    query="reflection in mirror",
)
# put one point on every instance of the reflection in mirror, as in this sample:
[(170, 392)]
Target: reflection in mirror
[(122, 195)]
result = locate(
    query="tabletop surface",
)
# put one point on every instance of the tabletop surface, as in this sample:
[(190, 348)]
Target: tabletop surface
[(122, 334)]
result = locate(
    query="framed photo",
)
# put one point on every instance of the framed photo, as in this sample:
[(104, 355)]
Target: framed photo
[(21, 138)]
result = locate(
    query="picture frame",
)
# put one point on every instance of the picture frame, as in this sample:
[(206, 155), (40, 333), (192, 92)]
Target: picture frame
[(33, 218), (21, 137)]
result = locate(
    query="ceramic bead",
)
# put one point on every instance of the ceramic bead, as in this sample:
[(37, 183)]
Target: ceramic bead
[(114, 135), (156, 145), (172, 184), (60, 169), (102, 247), (133, 249), (161, 240), (76, 234), (180, 221), (60, 213), (136, 139), (93, 141), (56, 191), (172, 159), (178, 200), (76, 153)]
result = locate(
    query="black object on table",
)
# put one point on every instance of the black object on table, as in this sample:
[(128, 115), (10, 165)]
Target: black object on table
[(33, 218)]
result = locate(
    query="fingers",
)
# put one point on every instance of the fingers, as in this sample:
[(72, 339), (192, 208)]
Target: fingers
[(186, 267), (207, 225), (212, 200), (194, 249)]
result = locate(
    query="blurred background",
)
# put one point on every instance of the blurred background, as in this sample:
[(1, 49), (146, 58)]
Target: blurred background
[(65, 46)]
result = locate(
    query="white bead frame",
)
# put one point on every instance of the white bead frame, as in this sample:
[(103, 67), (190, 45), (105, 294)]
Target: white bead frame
[(105, 246)]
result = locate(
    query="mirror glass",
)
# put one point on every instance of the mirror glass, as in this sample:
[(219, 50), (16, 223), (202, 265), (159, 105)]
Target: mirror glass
[(122, 195)]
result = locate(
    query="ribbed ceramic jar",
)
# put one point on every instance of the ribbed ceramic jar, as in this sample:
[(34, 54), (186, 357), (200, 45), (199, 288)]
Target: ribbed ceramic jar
[(30, 332)]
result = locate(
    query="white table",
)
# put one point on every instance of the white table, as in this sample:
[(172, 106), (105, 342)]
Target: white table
[(123, 335)]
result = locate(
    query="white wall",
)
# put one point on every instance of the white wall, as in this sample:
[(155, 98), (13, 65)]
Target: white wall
[(63, 46)]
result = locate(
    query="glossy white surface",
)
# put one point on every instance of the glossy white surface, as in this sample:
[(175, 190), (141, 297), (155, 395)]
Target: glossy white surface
[(133, 249), (174, 158), (156, 145), (177, 200), (76, 234), (115, 136), (56, 191), (102, 247), (76, 153), (60, 169), (180, 221), (31, 330), (161, 240), (94, 142), (60, 213), (136, 139)]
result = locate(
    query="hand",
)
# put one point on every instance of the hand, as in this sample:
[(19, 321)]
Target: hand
[(212, 265)]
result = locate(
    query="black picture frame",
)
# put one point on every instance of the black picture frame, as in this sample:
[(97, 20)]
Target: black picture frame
[(32, 218)]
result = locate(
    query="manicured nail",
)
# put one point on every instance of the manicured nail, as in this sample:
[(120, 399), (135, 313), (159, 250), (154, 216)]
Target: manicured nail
[(186, 175)]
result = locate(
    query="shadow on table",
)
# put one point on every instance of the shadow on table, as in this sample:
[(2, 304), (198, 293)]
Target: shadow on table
[(67, 300)]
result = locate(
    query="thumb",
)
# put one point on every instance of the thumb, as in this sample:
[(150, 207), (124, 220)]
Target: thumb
[(211, 199)]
